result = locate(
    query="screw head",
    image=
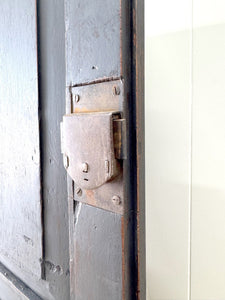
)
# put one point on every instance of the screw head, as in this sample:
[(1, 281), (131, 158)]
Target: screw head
[(116, 200), (76, 98), (116, 90), (66, 161), (78, 191), (85, 167)]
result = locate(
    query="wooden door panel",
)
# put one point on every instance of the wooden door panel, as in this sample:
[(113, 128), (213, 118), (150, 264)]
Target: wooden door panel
[(20, 197), (98, 50)]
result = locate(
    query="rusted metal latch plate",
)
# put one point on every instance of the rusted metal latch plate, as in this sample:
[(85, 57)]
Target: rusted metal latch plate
[(94, 144), (88, 147)]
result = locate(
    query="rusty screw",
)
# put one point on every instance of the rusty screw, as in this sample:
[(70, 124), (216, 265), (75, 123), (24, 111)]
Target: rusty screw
[(76, 98), (78, 191), (116, 90), (116, 200)]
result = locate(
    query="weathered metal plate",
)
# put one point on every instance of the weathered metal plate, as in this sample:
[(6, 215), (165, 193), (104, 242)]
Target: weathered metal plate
[(102, 197), (97, 246), (99, 97), (92, 40), (88, 148), (20, 200), (104, 96)]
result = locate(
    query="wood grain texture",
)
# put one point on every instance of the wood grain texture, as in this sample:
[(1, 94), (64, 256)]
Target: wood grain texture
[(20, 201)]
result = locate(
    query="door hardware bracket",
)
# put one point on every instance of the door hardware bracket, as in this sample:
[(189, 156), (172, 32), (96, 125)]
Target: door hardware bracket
[(93, 142)]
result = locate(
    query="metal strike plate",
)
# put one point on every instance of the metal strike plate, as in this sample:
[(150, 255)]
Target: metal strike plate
[(88, 146)]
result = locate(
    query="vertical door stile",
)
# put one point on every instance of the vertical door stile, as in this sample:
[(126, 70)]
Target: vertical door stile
[(104, 72)]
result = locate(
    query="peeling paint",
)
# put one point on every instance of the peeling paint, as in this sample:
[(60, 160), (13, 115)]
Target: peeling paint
[(28, 240), (53, 268)]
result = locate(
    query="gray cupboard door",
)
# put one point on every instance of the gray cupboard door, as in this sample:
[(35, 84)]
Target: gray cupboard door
[(33, 258), (103, 83), (20, 191)]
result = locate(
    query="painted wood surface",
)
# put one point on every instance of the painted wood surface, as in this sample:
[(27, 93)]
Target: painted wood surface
[(93, 40), (97, 254), (92, 53), (20, 138), (12, 288), (52, 106), (99, 48), (20, 200), (138, 88)]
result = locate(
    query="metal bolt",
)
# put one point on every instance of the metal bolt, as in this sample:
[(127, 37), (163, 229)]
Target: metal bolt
[(85, 167), (76, 98), (116, 200), (78, 191), (116, 90), (66, 161)]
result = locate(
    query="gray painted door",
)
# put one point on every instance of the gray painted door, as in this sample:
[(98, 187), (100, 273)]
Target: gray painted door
[(106, 251), (20, 198), (33, 208)]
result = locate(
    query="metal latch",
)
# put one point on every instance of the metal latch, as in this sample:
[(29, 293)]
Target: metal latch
[(93, 143)]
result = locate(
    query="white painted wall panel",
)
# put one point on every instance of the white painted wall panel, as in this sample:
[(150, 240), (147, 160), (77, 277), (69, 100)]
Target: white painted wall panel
[(167, 149), (208, 163), (185, 146)]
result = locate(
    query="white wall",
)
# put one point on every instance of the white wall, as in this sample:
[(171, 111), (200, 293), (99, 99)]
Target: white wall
[(185, 149)]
